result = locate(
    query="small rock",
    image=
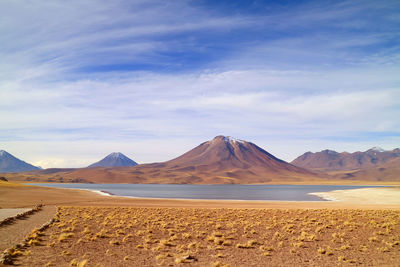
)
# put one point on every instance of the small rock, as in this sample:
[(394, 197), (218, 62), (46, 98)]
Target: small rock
[(190, 258)]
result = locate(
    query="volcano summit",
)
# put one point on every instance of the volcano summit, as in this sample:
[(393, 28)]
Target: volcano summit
[(115, 159)]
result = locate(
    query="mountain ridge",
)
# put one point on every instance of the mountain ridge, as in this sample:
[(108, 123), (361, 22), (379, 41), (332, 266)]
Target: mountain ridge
[(227, 160), (222, 160), (10, 163), (388, 171), (330, 160)]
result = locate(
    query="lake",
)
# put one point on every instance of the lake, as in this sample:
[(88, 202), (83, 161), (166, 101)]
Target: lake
[(220, 192)]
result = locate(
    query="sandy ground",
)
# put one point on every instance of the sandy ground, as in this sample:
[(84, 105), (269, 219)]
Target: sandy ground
[(6, 213), (374, 196)]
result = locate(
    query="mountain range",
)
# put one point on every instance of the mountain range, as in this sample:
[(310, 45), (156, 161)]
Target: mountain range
[(226, 160), (389, 171), (9, 163), (329, 160), (222, 160)]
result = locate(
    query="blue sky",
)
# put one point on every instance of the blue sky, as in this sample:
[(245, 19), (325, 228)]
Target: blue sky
[(152, 79)]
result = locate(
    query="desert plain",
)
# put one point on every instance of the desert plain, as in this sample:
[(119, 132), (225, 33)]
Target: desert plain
[(89, 229)]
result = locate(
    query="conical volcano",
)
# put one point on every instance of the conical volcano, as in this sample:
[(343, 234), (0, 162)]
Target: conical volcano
[(226, 160), (9, 163), (115, 159), (226, 153)]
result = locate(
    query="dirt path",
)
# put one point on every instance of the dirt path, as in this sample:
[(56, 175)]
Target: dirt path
[(6, 213), (11, 234)]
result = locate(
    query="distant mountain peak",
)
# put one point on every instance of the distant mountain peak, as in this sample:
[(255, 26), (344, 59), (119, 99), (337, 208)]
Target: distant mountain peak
[(116, 155), (9, 163), (233, 140), (115, 159), (227, 153), (4, 153), (225, 159), (227, 139), (376, 149), (328, 151)]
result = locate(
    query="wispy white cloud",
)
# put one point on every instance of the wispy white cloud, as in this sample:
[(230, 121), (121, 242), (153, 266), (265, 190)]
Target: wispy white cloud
[(298, 96), (312, 75), (62, 37)]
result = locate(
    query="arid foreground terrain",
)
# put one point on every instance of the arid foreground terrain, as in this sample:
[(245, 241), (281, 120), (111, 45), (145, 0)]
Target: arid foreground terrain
[(124, 236), (94, 230)]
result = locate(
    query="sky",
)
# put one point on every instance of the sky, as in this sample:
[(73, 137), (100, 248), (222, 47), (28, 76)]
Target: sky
[(153, 79)]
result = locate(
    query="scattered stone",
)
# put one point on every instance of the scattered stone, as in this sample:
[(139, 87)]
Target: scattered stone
[(189, 258)]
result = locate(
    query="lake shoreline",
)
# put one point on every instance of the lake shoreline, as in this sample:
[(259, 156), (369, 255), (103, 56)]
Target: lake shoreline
[(104, 193), (364, 195), (290, 193), (12, 196)]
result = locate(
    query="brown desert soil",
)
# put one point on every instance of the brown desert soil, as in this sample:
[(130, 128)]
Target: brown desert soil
[(96, 230)]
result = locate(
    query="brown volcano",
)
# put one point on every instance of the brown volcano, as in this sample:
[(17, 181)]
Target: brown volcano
[(226, 154), (223, 160)]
